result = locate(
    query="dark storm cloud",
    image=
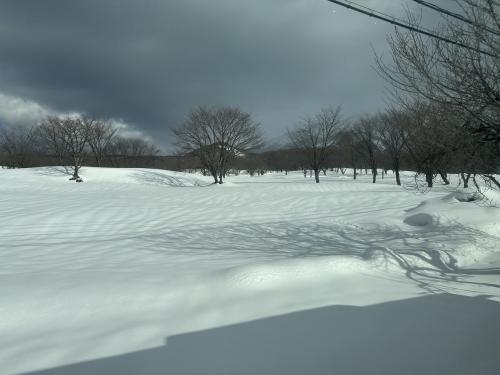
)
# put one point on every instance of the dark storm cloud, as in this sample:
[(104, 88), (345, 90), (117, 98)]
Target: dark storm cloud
[(148, 62)]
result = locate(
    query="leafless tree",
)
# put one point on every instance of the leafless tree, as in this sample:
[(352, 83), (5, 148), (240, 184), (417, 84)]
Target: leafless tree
[(466, 80), (367, 131), (283, 160), (430, 139), (101, 135), (316, 136), (139, 147), (217, 136), (17, 143), (50, 139), (68, 135), (349, 151), (392, 137), (75, 133), (131, 151)]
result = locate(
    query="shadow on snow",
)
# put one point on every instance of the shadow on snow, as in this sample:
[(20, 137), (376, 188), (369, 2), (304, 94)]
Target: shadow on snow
[(436, 334), (426, 254)]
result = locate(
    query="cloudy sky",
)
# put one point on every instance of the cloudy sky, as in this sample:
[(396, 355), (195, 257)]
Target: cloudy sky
[(146, 63)]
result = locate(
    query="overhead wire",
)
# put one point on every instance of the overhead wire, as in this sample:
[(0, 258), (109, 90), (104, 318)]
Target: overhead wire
[(403, 24)]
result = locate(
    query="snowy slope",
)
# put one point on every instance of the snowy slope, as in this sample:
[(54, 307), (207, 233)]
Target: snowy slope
[(130, 257)]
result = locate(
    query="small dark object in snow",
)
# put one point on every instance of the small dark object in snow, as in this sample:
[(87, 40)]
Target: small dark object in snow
[(419, 220)]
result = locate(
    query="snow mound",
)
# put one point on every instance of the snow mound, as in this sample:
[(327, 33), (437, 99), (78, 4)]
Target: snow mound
[(292, 272), (466, 195)]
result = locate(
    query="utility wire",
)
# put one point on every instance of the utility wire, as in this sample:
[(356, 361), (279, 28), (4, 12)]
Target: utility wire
[(394, 21), (455, 15)]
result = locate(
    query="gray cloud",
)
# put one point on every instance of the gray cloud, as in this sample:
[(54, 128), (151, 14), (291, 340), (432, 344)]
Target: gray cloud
[(148, 62)]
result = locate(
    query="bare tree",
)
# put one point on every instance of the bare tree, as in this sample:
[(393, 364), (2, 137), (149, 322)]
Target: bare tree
[(69, 136), (350, 150), (50, 139), (128, 151), (316, 136), (283, 160), (430, 140), (392, 137), (17, 143), (367, 130), (466, 80), (217, 136), (101, 135)]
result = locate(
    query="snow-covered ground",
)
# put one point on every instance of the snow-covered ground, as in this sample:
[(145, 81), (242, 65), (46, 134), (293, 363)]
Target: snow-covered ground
[(140, 271)]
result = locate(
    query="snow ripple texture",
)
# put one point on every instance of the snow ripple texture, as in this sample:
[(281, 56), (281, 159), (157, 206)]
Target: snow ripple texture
[(131, 256)]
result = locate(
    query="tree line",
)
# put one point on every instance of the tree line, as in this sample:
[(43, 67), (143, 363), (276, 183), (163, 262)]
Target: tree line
[(73, 141), (423, 137)]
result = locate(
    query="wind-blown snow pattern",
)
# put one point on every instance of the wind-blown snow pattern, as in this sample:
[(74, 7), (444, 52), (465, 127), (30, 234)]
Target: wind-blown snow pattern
[(138, 271)]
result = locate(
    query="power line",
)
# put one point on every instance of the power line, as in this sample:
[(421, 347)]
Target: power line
[(371, 10), (394, 21), (455, 15)]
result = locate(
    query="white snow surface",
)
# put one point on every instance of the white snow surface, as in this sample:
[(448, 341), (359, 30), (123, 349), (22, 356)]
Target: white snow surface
[(137, 260)]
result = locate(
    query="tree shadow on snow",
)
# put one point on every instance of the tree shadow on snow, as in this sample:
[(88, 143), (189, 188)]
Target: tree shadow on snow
[(54, 171), (426, 255), (436, 334), (163, 179)]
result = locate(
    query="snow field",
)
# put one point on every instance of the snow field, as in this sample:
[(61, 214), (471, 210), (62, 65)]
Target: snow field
[(130, 257)]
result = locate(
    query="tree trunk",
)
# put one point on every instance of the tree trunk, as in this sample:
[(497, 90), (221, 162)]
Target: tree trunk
[(355, 173), (76, 167), (75, 172), (374, 173), (316, 175), (444, 177), (429, 178), (396, 170), (214, 175), (465, 179)]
